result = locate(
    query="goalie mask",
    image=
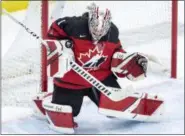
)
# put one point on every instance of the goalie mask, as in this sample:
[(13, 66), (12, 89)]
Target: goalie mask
[(99, 22)]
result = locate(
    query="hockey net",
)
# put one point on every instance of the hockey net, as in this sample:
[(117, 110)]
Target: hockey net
[(144, 26)]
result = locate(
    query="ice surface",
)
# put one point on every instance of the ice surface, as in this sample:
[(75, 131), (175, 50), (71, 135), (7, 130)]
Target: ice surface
[(91, 122)]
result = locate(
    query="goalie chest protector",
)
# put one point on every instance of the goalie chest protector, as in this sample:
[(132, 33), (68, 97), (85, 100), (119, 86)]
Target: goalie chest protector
[(95, 58)]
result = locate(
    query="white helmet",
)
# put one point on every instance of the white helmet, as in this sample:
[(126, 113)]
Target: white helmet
[(99, 21)]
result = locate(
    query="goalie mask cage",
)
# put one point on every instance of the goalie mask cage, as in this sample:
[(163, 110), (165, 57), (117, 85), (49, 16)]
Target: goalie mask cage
[(141, 25)]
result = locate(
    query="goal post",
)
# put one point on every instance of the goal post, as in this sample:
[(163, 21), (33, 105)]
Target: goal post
[(44, 29), (48, 14), (174, 36)]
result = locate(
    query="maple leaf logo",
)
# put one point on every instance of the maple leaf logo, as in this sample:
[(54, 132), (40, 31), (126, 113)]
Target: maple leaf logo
[(92, 59)]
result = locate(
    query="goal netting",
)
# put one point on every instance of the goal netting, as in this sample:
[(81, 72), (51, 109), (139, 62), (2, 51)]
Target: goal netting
[(144, 26)]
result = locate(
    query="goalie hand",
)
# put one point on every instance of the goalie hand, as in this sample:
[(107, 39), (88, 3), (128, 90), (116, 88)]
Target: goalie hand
[(143, 62)]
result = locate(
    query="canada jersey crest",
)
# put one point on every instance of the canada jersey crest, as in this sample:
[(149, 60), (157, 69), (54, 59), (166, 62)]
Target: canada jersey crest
[(92, 59)]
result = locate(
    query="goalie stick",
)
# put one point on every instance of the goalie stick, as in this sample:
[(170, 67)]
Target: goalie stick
[(144, 100)]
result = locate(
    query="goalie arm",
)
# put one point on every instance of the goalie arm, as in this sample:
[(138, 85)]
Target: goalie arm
[(127, 65)]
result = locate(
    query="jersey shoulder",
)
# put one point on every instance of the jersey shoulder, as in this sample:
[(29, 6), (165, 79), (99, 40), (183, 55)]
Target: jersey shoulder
[(114, 33), (73, 26)]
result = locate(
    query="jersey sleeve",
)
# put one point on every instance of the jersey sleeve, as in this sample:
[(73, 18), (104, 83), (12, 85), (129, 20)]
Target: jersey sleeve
[(114, 36), (60, 29), (118, 48)]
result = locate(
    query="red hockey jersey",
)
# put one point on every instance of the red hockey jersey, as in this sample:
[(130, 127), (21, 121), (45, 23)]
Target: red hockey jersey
[(96, 59)]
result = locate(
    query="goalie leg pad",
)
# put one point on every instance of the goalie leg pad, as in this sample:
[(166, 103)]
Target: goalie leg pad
[(39, 111), (59, 116), (140, 107)]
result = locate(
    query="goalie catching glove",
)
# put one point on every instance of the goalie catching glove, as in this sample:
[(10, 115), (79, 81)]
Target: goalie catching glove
[(133, 66)]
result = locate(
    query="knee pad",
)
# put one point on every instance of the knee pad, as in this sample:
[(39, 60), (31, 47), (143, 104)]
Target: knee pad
[(60, 117)]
